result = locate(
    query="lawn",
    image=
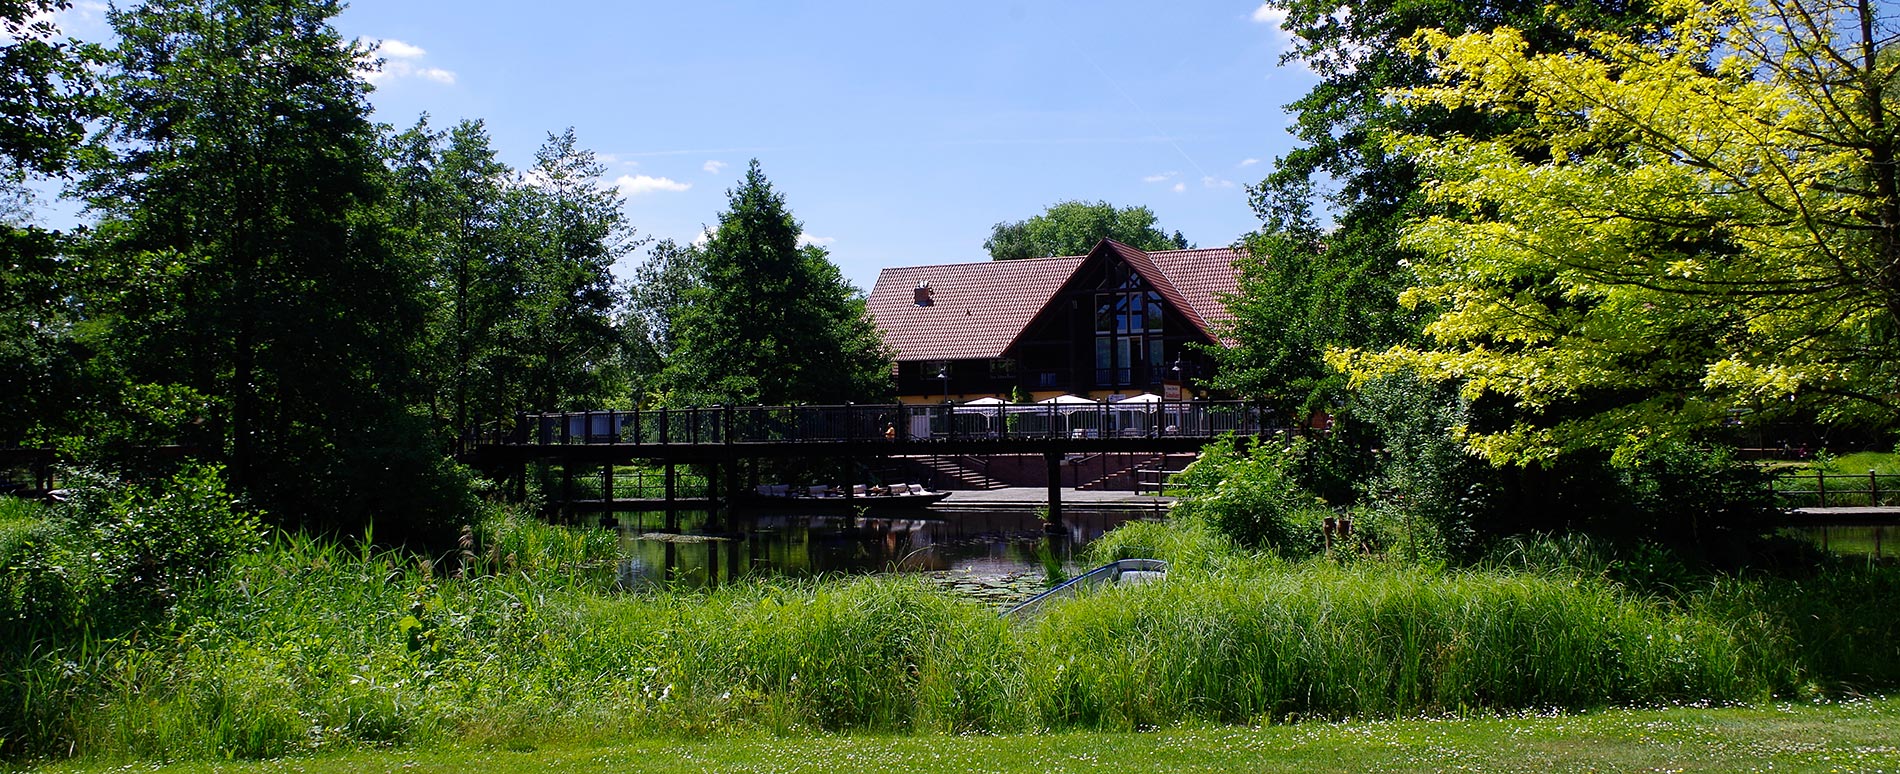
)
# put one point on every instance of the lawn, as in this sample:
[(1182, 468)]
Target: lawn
[(1853, 736)]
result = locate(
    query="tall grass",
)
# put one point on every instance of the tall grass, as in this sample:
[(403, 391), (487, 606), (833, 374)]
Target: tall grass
[(519, 636)]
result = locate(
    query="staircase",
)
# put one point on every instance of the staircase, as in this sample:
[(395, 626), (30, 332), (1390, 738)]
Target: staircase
[(1124, 471), (961, 472)]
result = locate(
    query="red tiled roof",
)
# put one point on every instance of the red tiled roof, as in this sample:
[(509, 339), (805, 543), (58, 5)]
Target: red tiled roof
[(979, 309), (976, 309), (1204, 278)]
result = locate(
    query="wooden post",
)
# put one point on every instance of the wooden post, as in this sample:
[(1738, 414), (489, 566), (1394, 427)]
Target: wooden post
[(672, 508), (1053, 463), (1820, 487)]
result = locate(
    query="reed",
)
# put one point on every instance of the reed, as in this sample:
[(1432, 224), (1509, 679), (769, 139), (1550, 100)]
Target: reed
[(520, 639)]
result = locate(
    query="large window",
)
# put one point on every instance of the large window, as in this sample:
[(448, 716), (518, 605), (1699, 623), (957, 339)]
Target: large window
[(1127, 331)]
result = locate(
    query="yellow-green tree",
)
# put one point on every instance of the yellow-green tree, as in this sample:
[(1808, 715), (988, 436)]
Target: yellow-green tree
[(1689, 229)]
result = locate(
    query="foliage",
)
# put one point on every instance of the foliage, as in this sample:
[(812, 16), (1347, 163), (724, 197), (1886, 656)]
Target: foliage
[(520, 637), (270, 300), (1425, 479), (561, 331), (1306, 286), (46, 88), (1253, 498), (1681, 230), (1073, 227), (769, 322), (1786, 736)]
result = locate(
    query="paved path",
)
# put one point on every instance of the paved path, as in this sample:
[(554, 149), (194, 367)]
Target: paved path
[(1037, 497)]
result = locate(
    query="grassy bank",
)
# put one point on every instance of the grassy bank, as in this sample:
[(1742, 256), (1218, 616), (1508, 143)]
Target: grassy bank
[(1856, 736), (519, 638)]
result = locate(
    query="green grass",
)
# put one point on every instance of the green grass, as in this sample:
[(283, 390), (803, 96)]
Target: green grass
[(519, 638), (1854, 736)]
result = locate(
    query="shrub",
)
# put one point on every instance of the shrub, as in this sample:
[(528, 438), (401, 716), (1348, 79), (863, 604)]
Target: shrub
[(1252, 499)]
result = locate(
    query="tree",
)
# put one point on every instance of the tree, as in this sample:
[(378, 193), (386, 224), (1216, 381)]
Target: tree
[(655, 300), (561, 335), (1305, 285), (46, 96), (452, 198), (1683, 231), (768, 321), (46, 88), (1073, 228), (254, 291)]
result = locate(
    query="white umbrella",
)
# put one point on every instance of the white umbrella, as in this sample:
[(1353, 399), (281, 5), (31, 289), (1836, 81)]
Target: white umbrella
[(1146, 397), (1068, 400)]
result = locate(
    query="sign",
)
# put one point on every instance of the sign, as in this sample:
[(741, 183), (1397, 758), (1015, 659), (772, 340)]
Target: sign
[(1170, 390)]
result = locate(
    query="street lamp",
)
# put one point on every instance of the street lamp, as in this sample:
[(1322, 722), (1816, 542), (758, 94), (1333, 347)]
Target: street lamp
[(943, 372)]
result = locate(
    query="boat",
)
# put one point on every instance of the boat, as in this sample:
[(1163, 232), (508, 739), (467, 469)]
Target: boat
[(896, 496), (1119, 572)]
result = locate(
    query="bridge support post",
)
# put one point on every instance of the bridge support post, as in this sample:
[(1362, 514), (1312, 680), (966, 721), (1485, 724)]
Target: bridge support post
[(1053, 462), (672, 508)]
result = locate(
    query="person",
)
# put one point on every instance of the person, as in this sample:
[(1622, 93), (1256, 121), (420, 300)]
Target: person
[(890, 431)]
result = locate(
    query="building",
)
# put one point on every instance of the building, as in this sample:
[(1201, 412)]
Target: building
[(1118, 321)]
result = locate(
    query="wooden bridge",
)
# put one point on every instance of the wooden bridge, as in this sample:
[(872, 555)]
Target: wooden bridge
[(723, 436)]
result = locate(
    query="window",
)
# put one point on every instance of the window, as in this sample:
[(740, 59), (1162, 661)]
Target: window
[(1003, 368), (1128, 326)]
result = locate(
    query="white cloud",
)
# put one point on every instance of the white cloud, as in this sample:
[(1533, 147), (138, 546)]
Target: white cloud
[(1267, 14), (392, 48), (713, 167), (1215, 182), (403, 60), (1179, 187), (705, 235), (1161, 178), (807, 239), (1249, 162), (634, 185)]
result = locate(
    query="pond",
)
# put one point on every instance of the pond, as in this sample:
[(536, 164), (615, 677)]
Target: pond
[(1874, 542), (999, 557)]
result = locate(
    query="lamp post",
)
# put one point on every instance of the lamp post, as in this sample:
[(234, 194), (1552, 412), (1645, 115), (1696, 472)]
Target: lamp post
[(943, 373)]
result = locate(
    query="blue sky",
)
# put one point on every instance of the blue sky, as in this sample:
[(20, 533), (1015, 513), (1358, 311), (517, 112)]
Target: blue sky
[(899, 133)]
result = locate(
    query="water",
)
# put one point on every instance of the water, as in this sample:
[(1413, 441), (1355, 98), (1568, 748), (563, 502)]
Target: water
[(1876, 542), (996, 556)]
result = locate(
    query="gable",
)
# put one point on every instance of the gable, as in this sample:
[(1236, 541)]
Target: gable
[(979, 310)]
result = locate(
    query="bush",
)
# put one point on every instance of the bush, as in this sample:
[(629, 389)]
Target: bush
[(1252, 499)]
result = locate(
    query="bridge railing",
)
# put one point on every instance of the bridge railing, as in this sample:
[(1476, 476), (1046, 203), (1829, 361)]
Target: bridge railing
[(1838, 490), (892, 422)]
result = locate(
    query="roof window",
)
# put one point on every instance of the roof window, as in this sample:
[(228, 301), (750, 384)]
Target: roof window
[(923, 293)]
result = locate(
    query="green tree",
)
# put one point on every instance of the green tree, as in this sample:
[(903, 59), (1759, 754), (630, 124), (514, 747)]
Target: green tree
[(1307, 285), (561, 336), (452, 196), (655, 299), (1682, 231), (46, 88), (46, 96), (254, 290), (1073, 228), (768, 321)]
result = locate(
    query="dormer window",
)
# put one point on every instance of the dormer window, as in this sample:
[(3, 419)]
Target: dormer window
[(922, 297)]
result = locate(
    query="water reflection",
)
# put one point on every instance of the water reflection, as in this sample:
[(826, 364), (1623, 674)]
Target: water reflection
[(1000, 545), (1876, 542)]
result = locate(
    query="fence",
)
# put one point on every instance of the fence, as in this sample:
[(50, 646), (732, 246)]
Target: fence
[(892, 422), (1838, 490)]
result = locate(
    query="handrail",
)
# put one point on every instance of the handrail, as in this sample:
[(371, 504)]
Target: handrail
[(1838, 490), (893, 423)]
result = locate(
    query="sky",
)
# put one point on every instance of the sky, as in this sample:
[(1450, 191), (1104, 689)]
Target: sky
[(899, 133)]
